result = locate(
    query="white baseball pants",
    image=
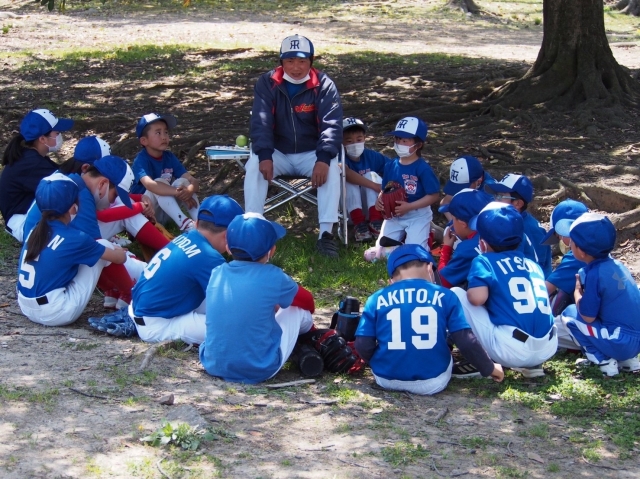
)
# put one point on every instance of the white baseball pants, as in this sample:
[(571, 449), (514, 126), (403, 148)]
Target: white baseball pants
[(132, 225), (416, 224), (255, 186), (293, 321), (499, 342), (423, 387), (168, 207), (189, 327), (360, 197), (63, 306)]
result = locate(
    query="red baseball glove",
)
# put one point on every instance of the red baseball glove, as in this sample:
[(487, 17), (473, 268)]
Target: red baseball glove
[(391, 194)]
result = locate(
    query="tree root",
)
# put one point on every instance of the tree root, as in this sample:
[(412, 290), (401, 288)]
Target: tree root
[(553, 198), (583, 196), (625, 219), (148, 356)]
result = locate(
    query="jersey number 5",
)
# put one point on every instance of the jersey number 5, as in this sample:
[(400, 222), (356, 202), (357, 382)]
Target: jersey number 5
[(155, 262), (529, 295), (27, 275), (429, 329)]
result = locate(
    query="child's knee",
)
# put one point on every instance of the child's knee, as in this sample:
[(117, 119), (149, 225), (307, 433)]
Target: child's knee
[(180, 182), (161, 180)]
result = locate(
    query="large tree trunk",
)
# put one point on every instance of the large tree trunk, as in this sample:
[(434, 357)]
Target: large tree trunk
[(575, 64)]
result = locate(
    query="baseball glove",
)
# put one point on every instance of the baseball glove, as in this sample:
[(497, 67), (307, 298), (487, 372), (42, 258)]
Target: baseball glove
[(391, 194), (337, 356)]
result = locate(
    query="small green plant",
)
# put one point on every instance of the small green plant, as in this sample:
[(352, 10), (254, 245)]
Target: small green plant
[(343, 428), (403, 453), (591, 454), (540, 430), (475, 442), (286, 462), (6, 28), (553, 467), (537, 21), (182, 435), (503, 472)]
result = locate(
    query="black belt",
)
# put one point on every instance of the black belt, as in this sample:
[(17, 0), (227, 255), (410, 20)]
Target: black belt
[(522, 336), (139, 321), (42, 300)]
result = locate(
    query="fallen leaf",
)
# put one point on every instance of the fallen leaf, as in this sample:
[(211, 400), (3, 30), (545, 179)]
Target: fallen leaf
[(535, 457)]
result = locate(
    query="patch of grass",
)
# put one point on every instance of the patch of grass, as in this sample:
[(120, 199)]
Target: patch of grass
[(6, 28), (540, 430), (124, 379), (79, 346), (475, 442), (504, 472), (591, 453), (553, 467), (403, 453), (344, 428), (329, 279), (9, 248), (343, 394), (45, 397)]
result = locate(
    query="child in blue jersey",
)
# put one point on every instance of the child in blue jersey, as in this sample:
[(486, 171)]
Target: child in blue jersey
[(465, 172), (506, 303), (454, 265), (60, 265), (411, 224), (253, 318), (561, 282), (162, 311), (100, 184), (403, 329), (517, 190), (604, 321), (25, 162), (161, 176), (364, 172)]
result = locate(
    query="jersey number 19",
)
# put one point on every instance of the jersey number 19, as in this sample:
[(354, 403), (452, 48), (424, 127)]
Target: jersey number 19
[(430, 329)]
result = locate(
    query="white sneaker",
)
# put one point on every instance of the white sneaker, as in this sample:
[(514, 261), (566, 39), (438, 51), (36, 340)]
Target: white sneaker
[(629, 365), (120, 241), (610, 367), (532, 372)]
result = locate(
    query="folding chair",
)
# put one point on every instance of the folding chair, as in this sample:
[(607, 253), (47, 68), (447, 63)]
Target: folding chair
[(290, 187)]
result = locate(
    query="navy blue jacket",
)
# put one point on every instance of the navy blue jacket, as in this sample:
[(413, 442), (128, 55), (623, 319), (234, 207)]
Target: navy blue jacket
[(311, 120), (19, 181)]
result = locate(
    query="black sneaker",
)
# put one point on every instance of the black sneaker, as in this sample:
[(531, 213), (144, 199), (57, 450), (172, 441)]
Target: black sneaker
[(327, 246), (464, 370), (362, 232)]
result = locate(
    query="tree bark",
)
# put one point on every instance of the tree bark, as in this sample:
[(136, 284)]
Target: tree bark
[(575, 65), (467, 6)]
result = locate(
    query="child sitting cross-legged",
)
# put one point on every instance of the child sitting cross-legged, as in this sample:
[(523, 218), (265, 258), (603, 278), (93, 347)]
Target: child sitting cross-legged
[(506, 302), (405, 342)]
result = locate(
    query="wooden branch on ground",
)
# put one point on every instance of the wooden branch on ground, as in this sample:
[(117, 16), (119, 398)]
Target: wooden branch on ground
[(291, 383), (88, 395), (193, 151), (150, 353)]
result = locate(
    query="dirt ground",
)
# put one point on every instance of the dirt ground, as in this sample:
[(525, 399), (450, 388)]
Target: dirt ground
[(76, 402)]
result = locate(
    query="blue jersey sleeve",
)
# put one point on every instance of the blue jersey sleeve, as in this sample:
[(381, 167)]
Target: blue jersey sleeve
[(564, 276), (480, 273), (590, 303), (367, 325), (429, 180), (457, 269)]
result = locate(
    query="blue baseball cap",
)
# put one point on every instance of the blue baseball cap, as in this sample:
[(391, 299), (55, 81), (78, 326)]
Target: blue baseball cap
[(512, 182), (56, 193), (410, 127), (405, 253), (466, 204), (499, 224), (116, 170), (296, 46), (250, 236), (91, 148), (464, 171), (219, 210), (40, 122), (146, 120), (562, 217), (594, 234)]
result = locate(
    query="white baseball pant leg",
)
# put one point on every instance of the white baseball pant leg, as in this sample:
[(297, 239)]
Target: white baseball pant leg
[(565, 338), (293, 321), (499, 342), (361, 197), (415, 225), (65, 305), (132, 225), (255, 186), (425, 387), (189, 327), (168, 206), (15, 227)]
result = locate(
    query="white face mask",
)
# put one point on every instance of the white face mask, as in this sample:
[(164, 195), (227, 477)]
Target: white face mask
[(58, 145), (564, 249), (354, 150), (294, 81), (403, 150), (101, 203), (73, 217)]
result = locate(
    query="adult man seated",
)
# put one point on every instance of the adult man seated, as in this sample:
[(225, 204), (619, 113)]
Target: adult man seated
[(296, 129)]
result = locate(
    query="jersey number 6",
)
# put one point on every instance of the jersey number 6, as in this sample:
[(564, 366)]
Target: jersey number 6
[(429, 329), (155, 262)]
